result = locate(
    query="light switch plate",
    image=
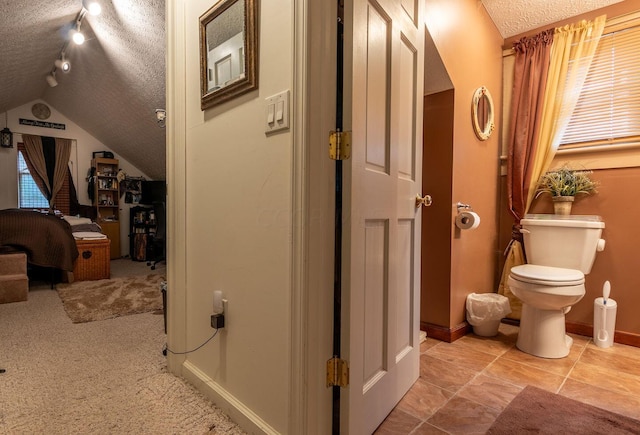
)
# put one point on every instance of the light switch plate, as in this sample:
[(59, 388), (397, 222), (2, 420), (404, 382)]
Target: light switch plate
[(277, 112)]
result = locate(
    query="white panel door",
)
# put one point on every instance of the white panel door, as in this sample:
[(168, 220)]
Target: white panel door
[(384, 48)]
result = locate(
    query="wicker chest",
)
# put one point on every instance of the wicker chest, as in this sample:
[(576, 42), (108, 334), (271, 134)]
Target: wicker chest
[(94, 261)]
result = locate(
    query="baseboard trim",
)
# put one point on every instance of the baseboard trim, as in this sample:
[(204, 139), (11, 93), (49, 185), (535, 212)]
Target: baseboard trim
[(443, 333), (620, 337), (238, 411)]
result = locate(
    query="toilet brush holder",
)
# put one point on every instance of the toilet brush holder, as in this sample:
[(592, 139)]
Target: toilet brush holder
[(604, 322)]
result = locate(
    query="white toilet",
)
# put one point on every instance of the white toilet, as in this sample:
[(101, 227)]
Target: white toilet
[(560, 252)]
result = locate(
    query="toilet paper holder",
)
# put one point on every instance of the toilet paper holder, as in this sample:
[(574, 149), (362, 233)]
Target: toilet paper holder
[(462, 206), (466, 218)]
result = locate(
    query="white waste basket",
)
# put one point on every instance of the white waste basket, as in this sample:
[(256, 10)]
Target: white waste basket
[(484, 312)]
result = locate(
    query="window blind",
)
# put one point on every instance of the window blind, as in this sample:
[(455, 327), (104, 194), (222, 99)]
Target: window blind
[(608, 109)]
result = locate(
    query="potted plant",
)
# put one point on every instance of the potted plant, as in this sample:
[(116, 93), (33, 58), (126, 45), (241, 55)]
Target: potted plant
[(564, 184)]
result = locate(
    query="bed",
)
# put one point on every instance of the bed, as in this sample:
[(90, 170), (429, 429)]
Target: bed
[(48, 240)]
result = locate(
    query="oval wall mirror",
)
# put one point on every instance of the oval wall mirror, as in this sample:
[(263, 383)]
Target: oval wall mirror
[(482, 113)]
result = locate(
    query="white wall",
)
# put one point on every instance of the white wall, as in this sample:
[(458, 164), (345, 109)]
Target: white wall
[(236, 222), (80, 158)]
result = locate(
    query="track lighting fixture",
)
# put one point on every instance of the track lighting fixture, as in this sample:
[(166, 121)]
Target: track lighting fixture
[(88, 6), (51, 79), (63, 64), (93, 7)]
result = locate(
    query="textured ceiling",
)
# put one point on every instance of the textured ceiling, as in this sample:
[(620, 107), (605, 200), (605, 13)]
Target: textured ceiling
[(513, 17), (117, 77)]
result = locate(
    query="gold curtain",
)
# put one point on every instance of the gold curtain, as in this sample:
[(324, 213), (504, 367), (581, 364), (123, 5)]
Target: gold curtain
[(34, 157), (571, 54), (515, 257)]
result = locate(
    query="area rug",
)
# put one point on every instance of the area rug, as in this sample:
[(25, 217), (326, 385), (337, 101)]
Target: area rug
[(536, 411), (87, 301)]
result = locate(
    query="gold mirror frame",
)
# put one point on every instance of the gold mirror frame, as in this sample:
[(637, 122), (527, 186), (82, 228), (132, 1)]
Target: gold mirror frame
[(247, 79), (482, 127)]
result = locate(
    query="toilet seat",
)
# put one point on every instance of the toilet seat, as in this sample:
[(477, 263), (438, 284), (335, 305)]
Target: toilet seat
[(547, 276)]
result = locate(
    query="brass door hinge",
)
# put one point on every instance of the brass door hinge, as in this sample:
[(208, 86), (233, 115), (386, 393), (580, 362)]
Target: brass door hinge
[(340, 145), (337, 372)]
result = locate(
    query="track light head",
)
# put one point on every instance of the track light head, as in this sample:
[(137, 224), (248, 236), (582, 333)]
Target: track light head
[(63, 65), (77, 37), (51, 79), (92, 6)]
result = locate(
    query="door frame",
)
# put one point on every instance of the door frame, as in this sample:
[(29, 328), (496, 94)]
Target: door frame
[(320, 177)]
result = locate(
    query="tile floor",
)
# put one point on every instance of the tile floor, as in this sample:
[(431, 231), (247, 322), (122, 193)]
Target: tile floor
[(464, 385)]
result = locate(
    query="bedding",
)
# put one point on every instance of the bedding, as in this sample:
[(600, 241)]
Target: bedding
[(88, 235), (46, 239), (84, 228), (76, 220)]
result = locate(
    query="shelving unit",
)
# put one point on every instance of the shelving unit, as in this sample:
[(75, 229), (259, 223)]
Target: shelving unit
[(142, 229), (106, 200)]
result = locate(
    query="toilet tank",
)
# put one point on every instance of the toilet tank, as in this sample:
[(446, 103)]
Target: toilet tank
[(562, 241)]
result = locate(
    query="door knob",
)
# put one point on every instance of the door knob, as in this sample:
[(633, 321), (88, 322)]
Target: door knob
[(424, 201)]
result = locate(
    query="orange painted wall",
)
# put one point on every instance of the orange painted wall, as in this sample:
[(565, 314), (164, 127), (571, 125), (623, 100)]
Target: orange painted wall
[(471, 50)]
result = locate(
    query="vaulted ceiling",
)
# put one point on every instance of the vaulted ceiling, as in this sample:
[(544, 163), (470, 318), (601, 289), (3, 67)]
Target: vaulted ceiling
[(117, 76)]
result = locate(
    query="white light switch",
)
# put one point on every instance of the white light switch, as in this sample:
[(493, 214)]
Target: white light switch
[(277, 112), (271, 109)]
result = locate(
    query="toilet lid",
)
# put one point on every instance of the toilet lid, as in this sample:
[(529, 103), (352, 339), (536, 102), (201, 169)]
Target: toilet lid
[(546, 275)]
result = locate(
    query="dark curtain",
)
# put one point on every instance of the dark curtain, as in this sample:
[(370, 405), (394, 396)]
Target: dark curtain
[(49, 153), (529, 84)]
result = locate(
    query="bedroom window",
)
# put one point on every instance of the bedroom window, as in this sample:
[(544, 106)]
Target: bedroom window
[(608, 110), (29, 196)]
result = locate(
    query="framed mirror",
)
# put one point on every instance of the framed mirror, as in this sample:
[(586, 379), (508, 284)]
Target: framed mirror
[(228, 51), (482, 113)]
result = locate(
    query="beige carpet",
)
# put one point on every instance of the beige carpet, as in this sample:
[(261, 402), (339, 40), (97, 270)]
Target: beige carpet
[(536, 411), (87, 301), (106, 377)]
